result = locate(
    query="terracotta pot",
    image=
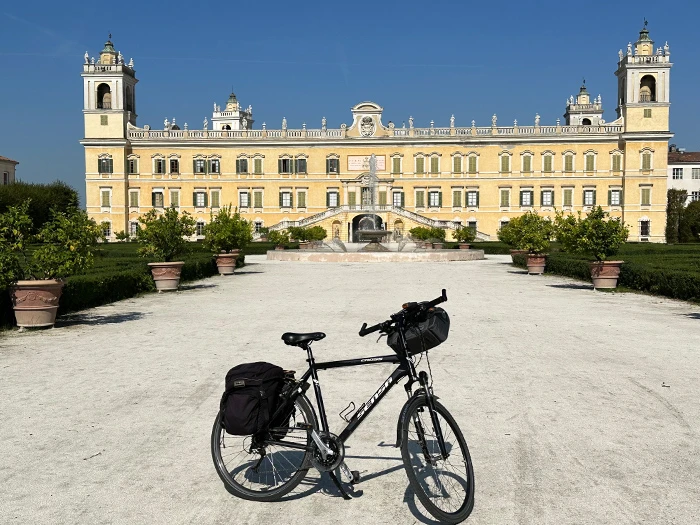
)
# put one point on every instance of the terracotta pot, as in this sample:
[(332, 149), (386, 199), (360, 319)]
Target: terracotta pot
[(263, 239), (166, 275), (463, 246), (303, 245), (517, 252), (226, 262), (605, 273), (36, 302), (280, 247), (437, 245), (536, 263)]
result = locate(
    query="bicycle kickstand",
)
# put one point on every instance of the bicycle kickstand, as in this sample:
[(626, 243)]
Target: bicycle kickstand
[(337, 483)]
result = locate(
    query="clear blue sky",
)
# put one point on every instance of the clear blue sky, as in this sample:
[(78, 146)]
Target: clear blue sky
[(305, 60)]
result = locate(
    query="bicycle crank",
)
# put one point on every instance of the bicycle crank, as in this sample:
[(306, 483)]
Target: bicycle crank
[(329, 459)]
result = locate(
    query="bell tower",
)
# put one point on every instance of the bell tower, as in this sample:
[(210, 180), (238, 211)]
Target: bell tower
[(644, 85), (582, 111), (109, 96)]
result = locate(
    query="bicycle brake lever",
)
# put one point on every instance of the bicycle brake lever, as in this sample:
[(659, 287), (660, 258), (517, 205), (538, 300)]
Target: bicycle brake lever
[(380, 336)]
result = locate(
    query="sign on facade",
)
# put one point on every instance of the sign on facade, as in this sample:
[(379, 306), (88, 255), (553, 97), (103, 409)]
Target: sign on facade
[(361, 162)]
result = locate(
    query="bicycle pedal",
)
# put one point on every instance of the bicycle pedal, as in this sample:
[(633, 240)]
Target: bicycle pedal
[(304, 426), (355, 477)]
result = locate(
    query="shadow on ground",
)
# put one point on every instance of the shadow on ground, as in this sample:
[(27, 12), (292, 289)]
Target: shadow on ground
[(95, 319), (694, 315), (572, 286), (246, 273), (184, 287)]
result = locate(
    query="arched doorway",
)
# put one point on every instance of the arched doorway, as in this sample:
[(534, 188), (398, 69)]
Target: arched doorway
[(398, 229), (586, 122), (335, 229), (365, 222), (104, 97)]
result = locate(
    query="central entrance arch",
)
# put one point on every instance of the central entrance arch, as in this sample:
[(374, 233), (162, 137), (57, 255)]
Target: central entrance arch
[(365, 222)]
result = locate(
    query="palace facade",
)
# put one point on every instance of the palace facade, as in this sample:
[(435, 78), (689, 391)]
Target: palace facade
[(450, 177)]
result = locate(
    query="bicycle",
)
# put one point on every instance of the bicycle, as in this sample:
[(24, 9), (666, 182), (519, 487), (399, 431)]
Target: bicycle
[(435, 455)]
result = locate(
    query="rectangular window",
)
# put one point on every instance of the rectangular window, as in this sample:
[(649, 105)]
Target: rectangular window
[(133, 166), (617, 163), (590, 162), (695, 173), (435, 199), (505, 163), (646, 161), (104, 120), (398, 199), (471, 225), (215, 198), (695, 196), (257, 166), (647, 113), (420, 199), (568, 197), (214, 166), (352, 199), (527, 164), (200, 199), (104, 165), (456, 198), (301, 168), (646, 196), (133, 228), (396, 165), (547, 198), (526, 198), (286, 199), (107, 229), (434, 165), (589, 197), (678, 173), (568, 163), (157, 200), (332, 200), (199, 165), (505, 198), (644, 228), (382, 198), (258, 199), (332, 165), (548, 164), (199, 229), (243, 199), (175, 198), (241, 166), (105, 198), (134, 199), (457, 164), (472, 164), (159, 166), (615, 198), (284, 165), (420, 165), (301, 199), (174, 166), (5, 178), (473, 199)]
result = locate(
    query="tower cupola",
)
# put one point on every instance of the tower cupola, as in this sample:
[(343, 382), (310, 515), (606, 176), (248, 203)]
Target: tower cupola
[(581, 111), (645, 45), (108, 55), (233, 117)]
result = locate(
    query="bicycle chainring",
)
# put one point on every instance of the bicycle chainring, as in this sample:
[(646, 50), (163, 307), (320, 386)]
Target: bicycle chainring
[(334, 459)]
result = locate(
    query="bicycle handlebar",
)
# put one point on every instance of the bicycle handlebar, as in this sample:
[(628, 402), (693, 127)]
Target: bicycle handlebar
[(408, 308)]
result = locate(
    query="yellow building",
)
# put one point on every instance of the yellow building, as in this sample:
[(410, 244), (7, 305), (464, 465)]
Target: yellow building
[(441, 176)]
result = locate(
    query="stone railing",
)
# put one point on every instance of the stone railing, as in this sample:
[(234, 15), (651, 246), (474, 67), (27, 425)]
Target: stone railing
[(405, 133)]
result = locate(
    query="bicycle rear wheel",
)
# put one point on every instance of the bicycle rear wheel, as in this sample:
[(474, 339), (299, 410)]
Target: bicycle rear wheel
[(445, 487), (256, 470)]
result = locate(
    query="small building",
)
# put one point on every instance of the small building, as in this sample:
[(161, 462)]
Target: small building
[(684, 171), (7, 169)]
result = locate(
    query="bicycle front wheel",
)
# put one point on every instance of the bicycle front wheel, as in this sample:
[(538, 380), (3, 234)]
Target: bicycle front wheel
[(445, 487), (254, 469)]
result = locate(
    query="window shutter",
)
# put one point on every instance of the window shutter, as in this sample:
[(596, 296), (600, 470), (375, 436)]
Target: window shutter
[(279, 165), (238, 165), (328, 166), (302, 199), (403, 199), (328, 197), (293, 165), (609, 197), (594, 197), (622, 198), (291, 200), (532, 197), (419, 165), (526, 164), (568, 163), (472, 164), (440, 199), (521, 198), (458, 164), (434, 165), (456, 198), (194, 198), (280, 199), (504, 163), (542, 198), (396, 161), (548, 163), (551, 195), (477, 199)]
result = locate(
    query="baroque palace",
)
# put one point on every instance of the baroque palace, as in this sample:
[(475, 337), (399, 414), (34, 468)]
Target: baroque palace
[(449, 177)]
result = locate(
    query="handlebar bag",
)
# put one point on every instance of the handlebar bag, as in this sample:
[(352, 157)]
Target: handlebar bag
[(250, 398), (424, 334)]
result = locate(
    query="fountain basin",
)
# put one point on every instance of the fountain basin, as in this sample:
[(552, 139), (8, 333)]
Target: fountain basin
[(364, 257)]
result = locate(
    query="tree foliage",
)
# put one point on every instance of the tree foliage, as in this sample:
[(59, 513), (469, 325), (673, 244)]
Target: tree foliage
[(675, 205), (162, 236), (597, 235), (227, 231), (465, 235), (43, 197)]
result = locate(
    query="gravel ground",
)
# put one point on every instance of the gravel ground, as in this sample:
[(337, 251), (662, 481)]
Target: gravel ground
[(578, 406)]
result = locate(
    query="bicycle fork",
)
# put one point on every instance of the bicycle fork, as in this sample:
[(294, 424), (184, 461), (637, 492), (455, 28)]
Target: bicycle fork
[(423, 379)]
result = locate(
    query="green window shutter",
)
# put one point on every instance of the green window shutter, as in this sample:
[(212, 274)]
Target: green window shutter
[(351, 198), (472, 164), (504, 163), (440, 199), (420, 199), (294, 166), (419, 165), (457, 164), (206, 199), (111, 165), (280, 199), (542, 198), (396, 165), (328, 195), (194, 166), (279, 165), (609, 197), (532, 198), (194, 198), (206, 166), (238, 165), (622, 197), (328, 166), (403, 199), (258, 199), (175, 198), (548, 164), (646, 161), (527, 164), (646, 196), (434, 161), (569, 163), (552, 196), (477, 199), (215, 199), (521, 198), (457, 198), (382, 198), (616, 163), (590, 162)]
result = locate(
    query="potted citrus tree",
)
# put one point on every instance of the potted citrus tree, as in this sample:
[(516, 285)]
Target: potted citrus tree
[(598, 236), (421, 235), (534, 237), (66, 246), (437, 238), (162, 239), (279, 238), (300, 234), (226, 234), (316, 234), (509, 234), (464, 236)]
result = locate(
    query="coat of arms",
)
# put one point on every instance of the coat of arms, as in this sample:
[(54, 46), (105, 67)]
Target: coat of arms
[(367, 127)]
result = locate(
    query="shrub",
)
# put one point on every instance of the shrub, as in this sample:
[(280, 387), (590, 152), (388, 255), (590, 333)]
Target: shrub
[(278, 237), (437, 234), (317, 233), (420, 233), (464, 235), (226, 231), (163, 237), (598, 235), (509, 233), (534, 232), (43, 198), (299, 233)]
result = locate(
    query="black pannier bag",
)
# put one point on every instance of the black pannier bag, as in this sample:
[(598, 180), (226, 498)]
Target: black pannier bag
[(250, 398), (424, 334)]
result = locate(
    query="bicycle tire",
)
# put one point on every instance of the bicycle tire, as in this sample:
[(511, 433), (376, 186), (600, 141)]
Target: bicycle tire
[(234, 479), (424, 463)]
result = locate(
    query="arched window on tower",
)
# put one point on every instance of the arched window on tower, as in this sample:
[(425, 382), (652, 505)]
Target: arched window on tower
[(226, 127), (647, 89), (586, 122), (104, 97)]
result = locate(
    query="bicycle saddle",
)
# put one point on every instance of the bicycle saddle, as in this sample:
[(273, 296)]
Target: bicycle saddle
[(300, 339)]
